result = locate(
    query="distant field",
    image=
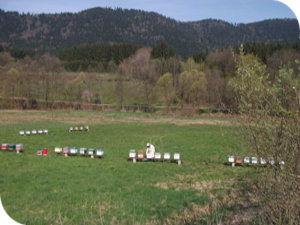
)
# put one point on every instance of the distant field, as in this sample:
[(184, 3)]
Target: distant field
[(79, 190)]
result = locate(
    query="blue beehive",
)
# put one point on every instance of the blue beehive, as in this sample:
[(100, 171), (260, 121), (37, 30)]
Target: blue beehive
[(99, 152), (73, 150)]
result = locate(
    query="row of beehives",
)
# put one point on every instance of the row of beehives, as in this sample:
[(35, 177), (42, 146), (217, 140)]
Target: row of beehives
[(253, 160), (12, 147), (156, 156), (86, 128), (82, 151), (28, 132)]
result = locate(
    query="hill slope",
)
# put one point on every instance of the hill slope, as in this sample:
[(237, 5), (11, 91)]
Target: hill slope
[(52, 32)]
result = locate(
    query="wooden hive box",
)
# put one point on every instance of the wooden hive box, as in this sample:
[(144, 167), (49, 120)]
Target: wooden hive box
[(82, 151), (40, 131), (45, 151), (5, 146), (33, 131), (58, 149), (76, 128), (247, 159), (86, 128), (262, 161), (11, 147), (45, 131), (141, 154), (176, 156), (91, 151), (19, 147), (157, 155), (167, 156), (80, 128), (21, 132), (149, 156), (27, 132), (40, 152), (254, 160), (132, 153), (73, 150), (70, 129), (231, 159), (238, 159), (100, 152), (66, 150)]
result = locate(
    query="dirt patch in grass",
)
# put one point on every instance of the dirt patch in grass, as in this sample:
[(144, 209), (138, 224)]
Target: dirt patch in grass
[(14, 117)]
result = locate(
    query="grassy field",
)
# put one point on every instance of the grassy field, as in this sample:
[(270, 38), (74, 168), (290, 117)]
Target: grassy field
[(79, 190)]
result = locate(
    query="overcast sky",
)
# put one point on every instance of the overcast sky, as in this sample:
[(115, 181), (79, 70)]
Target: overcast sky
[(233, 11)]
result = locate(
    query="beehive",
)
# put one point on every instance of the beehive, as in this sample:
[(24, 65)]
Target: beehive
[(21, 132), (87, 128), (141, 154), (40, 131), (167, 156), (40, 152), (99, 152), (70, 129), (80, 128), (27, 132), (0, 146), (91, 151), (254, 160), (75, 128), (281, 162), (157, 155), (176, 156), (149, 156), (45, 131), (238, 159), (4, 146), (66, 150), (58, 149), (82, 151), (272, 161), (33, 131), (262, 161), (231, 159), (132, 153), (45, 151), (11, 147), (246, 159), (73, 150), (19, 147)]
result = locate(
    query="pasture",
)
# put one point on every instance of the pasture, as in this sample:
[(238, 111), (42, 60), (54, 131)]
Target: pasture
[(112, 190)]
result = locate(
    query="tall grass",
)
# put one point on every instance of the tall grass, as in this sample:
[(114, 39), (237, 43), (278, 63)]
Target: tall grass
[(79, 190)]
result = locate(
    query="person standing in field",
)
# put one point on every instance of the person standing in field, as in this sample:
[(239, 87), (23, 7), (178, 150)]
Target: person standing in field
[(150, 150)]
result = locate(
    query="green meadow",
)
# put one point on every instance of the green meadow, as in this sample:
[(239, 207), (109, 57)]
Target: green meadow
[(55, 189)]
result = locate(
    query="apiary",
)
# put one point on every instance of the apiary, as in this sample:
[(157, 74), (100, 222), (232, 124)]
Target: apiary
[(66, 150), (73, 150), (231, 159), (166, 156), (254, 160), (83, 151), (33, 131), (246, 159), (91, 151), (21, 132), (157, 155), (141, 154), (99, 152), (132, 153), (176, 156), (58, 149), (40, 131), (27, 132)]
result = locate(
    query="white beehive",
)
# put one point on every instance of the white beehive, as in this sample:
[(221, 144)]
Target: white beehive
[(157, 155), (247, 159), (176, 156), (132, 153), (40, 131), (254, 160), (33, 131), (99, 152), (262, 161), (166, 155), (27, 132), (22, 132), (231, 159)]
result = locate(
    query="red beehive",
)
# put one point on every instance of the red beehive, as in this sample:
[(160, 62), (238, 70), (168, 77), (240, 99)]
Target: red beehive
[(45, 151)]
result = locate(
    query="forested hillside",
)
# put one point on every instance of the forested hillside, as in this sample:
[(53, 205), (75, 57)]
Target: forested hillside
[(53, 32)]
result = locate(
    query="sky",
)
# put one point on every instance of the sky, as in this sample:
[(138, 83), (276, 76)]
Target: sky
[(233, 11)]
